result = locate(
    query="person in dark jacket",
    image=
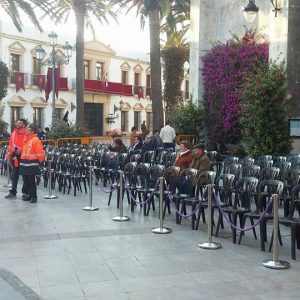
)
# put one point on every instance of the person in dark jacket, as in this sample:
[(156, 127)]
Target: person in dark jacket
[(118, 146), (149, 145), (138, 143)]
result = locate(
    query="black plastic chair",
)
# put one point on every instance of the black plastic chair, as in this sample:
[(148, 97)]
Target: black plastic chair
[(244, 189), (251, 171), (217, 167), (265, 189), (269, 173)]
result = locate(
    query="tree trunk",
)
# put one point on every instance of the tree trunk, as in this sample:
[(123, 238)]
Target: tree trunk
[(156, 95), (80, 14)]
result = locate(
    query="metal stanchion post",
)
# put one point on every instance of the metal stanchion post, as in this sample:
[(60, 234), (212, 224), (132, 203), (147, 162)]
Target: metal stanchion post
[(8, 184), (161, 229), (275, 263), (90, 207), (50, 196), (121, 217), (209, 245)]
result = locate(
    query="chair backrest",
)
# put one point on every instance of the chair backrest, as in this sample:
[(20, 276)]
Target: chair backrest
[(148, 156), (251, 171), (212, 155), (295, 199), (225, 181), (230, 160), (129, 171), (265, 157), (277, 159), (269, 173), (189, 173), (141, 174), (135, 158), (217, 167), (171, 175), (244, 189), (283, 166), (234, 169), (122, 160), (155, 172), (264, 163), (246, 161), (291, 177), (266, 188)]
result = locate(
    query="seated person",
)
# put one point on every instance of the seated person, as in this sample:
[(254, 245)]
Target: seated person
[(156, 139), (138, 143), (200, 161), (149, 145), (118, 146), (185, 157)]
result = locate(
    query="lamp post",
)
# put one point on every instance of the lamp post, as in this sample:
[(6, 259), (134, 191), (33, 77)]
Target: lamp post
[(54, 61)]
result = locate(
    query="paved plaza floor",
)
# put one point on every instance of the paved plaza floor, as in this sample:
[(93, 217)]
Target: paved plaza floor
[(55, 250)]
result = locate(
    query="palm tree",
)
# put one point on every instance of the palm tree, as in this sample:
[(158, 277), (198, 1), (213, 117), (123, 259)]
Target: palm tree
[(153, 9), (83, 10), (13, 8), (175, 52)]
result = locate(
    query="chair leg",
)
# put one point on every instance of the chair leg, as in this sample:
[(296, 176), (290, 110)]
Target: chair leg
[(234, 222), (253, 229), (262, 228), (242, 226), (218, 226), (293, 241)]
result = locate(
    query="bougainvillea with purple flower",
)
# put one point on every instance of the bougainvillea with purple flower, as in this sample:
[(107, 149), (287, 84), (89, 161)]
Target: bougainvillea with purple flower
[(225, 66)]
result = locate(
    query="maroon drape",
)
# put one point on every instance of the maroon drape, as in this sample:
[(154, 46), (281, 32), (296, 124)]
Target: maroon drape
[(49, 82), (19, 81), (41, 82), (140, 93)]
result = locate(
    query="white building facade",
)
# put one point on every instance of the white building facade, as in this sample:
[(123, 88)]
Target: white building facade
[(117, 89)]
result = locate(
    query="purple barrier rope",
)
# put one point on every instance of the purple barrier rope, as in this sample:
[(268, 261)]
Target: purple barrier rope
[(134, 199), (217, 198), (177, 210), (102, 188)]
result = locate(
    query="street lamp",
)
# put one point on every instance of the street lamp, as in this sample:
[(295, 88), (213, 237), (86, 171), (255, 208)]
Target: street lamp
[(54, 61), (250, 10)]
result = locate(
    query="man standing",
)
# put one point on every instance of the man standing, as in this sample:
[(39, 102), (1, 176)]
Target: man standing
[(32, 155), (13, 156), (144, 129), (167, 135)]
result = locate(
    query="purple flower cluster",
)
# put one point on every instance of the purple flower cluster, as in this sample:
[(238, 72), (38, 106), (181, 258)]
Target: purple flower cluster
[(223, 73)]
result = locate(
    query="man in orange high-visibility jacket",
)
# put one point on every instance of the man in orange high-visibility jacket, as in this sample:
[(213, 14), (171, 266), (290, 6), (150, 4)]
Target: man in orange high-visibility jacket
[(32, 155), (13, 156)]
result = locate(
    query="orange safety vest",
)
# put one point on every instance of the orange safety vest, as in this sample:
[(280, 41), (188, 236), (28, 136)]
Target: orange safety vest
[(16, 141), (32, 153)]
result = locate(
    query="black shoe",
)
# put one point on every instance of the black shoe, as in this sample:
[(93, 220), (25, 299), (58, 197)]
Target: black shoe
[(10, 196), (28, 198), (24, 196), (33, 200)]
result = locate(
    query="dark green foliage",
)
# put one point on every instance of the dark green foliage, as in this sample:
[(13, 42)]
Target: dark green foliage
[(264, 117), (4, 73), (64, 130), (174, 58), (187, 118)]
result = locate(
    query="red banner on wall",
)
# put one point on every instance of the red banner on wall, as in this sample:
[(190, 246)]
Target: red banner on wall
[(19, 81)]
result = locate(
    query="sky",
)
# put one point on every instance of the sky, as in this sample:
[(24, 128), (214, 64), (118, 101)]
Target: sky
[(125, 37)]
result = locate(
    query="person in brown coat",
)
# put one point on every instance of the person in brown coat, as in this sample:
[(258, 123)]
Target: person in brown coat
[(200, 161), (185, 157)]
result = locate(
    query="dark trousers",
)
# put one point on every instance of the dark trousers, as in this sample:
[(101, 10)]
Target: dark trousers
[(15, 179), (168, 145), (184, 186), (30, 185)]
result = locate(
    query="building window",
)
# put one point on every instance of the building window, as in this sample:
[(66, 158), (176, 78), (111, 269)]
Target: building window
[(59, 113), (149, 118), (99, 70), (15, 116), (137, 79), (86, 69), (137, 120), (37, 116), (124, 120), (125, 77), (37, 66), (15, 62)]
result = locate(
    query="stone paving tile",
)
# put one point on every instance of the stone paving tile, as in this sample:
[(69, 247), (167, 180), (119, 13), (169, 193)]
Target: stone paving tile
[(63, 252)]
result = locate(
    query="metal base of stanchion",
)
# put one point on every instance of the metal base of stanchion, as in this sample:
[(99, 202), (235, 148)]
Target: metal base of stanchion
[(277, 265), (7, 186), (210, 246), (50, 197), (163, 230), (121, 219), (90, 208)]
